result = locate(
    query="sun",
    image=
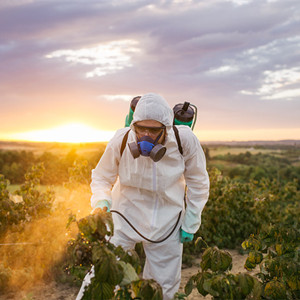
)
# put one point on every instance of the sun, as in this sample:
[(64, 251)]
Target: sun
[(68, 133)]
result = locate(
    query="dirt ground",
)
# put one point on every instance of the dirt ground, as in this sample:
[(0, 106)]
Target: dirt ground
[(55, 291)]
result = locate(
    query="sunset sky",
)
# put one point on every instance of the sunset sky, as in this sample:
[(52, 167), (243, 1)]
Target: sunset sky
[(69, 68)]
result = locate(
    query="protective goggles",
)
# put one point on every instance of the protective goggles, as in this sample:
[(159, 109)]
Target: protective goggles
[(139, 129)]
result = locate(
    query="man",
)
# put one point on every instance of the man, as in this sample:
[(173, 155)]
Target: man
[(146, 184)]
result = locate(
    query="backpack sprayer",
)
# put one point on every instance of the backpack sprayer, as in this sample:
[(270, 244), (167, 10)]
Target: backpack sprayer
[(184, 114), (133, 104)]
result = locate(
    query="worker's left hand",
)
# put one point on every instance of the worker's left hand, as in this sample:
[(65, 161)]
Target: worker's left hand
[(185, 236)]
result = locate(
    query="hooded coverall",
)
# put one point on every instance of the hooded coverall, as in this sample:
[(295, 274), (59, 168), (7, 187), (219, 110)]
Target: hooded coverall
[(151, 194)]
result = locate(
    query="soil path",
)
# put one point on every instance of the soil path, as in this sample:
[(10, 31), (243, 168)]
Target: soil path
[(55, 291)]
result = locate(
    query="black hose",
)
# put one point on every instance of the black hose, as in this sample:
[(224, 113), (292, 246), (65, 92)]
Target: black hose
[(151, 241), (195, 115)]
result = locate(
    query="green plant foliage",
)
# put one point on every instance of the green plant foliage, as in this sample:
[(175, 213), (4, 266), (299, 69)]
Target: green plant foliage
[(99, 290), (14, 164), (229, 215), (216, 260), (93, 227), (34, 204), (79, 173), (275, 289), (252, 243), (147, 289), (215, 279), (278, 257), (245, 166), (116, 270), (129, 273), (235, 209), (107, 268)]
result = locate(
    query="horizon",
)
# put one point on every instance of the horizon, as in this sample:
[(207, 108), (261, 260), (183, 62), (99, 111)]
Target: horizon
[(81, 133), (40, 136), (297, 141)]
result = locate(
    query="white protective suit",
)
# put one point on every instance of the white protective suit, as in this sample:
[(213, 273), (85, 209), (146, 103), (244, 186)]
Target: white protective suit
[(151, 194)]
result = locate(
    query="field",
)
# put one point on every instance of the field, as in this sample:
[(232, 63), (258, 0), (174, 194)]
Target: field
[(254, 189), (54, 291)]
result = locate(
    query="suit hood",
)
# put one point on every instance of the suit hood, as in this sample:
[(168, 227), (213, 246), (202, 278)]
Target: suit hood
[(153, 107)]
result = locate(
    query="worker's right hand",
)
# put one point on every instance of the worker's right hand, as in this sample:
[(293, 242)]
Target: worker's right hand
[(102, 205)]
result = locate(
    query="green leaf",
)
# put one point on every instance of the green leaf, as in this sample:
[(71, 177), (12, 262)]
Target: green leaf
[(255, 257), (92, 223), (98, 290), (246, 283), (249, 265), (257, 289), (275, 290), (129, 273), (226, 261), (106, 265), (147, 289), (200, 243), (216, 260), (207, 286), (206, 259), (201, 277), (252, 243), (189, 286)]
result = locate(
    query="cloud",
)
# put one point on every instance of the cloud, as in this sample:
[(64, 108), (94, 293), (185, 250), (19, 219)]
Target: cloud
[(224, 69), (14, 3), (126, 98), (286, 95), (279, 84), (273, 64), (241, 2), (105, 58)]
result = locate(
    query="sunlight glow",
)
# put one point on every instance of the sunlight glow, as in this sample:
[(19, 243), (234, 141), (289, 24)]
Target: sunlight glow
[(70, 133), (80, 133)]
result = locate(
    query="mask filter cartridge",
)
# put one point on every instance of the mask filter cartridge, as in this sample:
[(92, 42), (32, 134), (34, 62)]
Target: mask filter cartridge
[(146, 146)]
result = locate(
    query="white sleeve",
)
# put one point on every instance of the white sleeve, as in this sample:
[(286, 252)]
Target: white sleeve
[(196, 178), (106, 172)]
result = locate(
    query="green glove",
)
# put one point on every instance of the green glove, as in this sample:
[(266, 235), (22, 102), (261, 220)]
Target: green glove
[(103, 204), (185, 236)]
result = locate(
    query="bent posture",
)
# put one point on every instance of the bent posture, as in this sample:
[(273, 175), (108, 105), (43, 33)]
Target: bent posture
[(146, 184)]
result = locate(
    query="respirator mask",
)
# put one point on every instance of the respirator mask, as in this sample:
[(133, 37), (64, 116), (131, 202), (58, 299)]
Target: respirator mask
[(147, 146)]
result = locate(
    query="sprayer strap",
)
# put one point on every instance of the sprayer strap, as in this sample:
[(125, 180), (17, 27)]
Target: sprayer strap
[(124, 141), (178, 139)]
